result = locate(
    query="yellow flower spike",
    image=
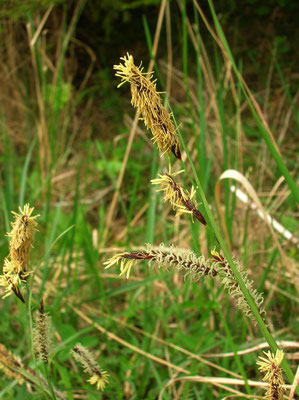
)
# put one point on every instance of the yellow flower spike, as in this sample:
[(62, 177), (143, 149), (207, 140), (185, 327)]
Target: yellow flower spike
[(180, 199), (15, 269), (126, 264), (273, 374), (148, 102), (101, 380)]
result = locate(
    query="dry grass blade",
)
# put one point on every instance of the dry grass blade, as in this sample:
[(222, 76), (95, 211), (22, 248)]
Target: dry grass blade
[(276, 225), (173, 346), (129, 345), (219, 382), (237, 176), (294, 385), (281, 343)]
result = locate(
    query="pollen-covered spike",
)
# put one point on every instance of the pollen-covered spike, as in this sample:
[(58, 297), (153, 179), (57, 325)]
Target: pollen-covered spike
[(149, 103), (15, 269), (273, 374), (181, 200), (10, 364)]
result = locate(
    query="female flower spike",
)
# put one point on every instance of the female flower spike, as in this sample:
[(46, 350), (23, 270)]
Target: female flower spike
[(42, 333), (97, 376), (148, 102), (15, 269), (165, 257)]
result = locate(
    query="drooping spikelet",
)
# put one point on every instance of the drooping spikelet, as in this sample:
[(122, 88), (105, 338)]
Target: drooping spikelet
[(10, 364), (194, 266), (15, 269), (273, 374), (181, 200), (165, 257), (97, 376), (148, 102), (230, 283), (42, 333)]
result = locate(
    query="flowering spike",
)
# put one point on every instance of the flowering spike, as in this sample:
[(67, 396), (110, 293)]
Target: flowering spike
[(165, 257), (42, 333), (15, 269), (97, 376), (273, 374), (10, 364), (229, 281), (181, 200), (148, 102)]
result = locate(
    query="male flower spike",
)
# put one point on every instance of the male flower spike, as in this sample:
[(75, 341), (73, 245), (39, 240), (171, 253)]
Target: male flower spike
[(148, 102), (15, 269), (273, 374)]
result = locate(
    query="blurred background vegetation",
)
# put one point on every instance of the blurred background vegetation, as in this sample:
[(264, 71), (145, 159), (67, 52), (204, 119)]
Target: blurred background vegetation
[(65, 130)]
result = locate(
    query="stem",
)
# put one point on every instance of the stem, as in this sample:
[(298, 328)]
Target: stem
[(211, 222), (49, 380), (29, 287)]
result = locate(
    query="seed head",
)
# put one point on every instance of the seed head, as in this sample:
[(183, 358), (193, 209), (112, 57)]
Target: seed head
[(97, 376), (148, 102)]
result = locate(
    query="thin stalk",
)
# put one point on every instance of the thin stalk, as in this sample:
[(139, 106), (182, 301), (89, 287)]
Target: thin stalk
[(49, 382), (211, 222), (29, 287)]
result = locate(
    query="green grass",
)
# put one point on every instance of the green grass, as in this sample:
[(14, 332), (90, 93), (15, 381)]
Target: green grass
[(155, 326)]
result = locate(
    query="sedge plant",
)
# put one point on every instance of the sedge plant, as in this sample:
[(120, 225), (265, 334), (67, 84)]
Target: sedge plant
[(221, 264), (17, 275)]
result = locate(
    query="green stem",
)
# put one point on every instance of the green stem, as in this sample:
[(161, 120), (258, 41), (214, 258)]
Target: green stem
[(212, 224), (29, 288), (49, 380)]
